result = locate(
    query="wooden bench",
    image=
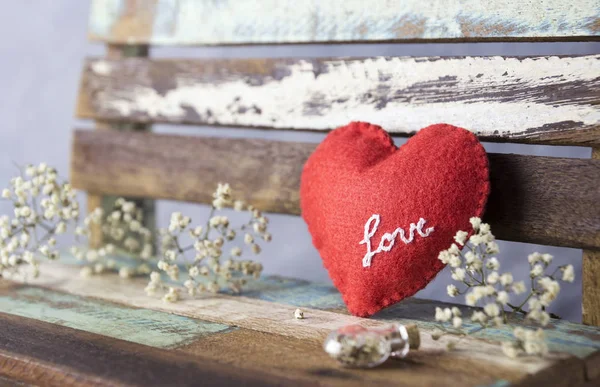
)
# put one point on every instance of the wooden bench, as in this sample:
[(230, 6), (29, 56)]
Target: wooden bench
[(63, 329)]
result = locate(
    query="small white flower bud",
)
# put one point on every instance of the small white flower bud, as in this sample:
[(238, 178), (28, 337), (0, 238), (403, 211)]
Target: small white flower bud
[(194, 271), (259, 228), (85, 271), (125, 272), (298, 314), (452, 290), (61, 228), (91, 255), (248, 238)]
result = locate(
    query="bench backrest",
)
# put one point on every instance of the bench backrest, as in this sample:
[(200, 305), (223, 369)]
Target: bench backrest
[(537, 100)]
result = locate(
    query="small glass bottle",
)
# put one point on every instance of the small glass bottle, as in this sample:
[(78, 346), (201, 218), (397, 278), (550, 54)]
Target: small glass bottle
[(360, 347)]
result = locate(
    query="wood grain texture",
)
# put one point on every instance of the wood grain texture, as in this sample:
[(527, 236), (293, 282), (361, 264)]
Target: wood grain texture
[(536, 99), (591, 279), (591, 287), (52, 355), (156, 329), (562, 336), (305, 360), (551, 201), (192, 22), (277, 319)]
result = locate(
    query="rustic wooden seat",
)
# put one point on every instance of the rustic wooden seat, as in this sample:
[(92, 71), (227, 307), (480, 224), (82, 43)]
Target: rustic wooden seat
[(91, 331)]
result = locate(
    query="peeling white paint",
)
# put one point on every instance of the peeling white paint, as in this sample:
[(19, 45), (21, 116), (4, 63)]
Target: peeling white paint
[(101, 67), (283, 103), (237, 21)]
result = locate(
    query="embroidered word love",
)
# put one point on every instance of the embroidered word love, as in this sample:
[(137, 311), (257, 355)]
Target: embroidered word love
[(371, 229)]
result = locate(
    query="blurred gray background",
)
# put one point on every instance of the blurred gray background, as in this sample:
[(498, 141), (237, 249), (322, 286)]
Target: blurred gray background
[(42, 51)]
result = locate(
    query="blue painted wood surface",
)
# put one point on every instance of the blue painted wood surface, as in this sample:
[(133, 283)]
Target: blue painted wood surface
[(157, 329), (564, 336), (166, 330)]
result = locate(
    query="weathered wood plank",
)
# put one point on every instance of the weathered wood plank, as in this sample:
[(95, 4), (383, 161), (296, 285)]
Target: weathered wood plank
[(53, 355), (243, 351), (304, 359), (543, 200), (591, 279), (142, 326), (535, 99), (190, 22), (591, 287), (563, 336), (276, 318)]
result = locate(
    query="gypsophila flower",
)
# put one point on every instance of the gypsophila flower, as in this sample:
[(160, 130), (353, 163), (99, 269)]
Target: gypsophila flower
[(172, 295), (493, 277), (478, 271), (484, 229), (456, 322), (454, 261), (568, 273), (222, 196), (536, 271), (479, 317), (519, 287), (458, 274), (452, 290), (122, 226), (443, 315), (476, 239), (298, 314), (454, 250), (491, 310), (208, 267), (506, 279), (503, 297), (547, 258), (492, 264), (461, 237), (534, 258), (43, 207), (475, 222)]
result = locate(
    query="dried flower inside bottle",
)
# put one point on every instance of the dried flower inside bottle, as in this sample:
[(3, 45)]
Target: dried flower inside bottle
[(360, 347)]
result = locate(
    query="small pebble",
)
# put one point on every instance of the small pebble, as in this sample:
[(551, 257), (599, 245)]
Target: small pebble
[(299, 314)]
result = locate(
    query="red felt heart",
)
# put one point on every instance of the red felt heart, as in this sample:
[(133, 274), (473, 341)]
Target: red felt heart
[(358, 188)]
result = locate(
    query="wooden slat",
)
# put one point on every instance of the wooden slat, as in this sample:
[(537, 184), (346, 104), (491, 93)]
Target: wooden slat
[(53, 355), (551, 201), (192, 22), (591, 277), (547, 100), (591, 287), (301, 359), (562, 336), (283, 333)]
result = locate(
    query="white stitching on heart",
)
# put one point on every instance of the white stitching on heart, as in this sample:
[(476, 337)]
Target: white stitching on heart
[(389, 238)]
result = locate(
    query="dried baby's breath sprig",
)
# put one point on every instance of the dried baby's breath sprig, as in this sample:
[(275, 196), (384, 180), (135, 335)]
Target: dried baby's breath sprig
[(476, 268), (204, 258), (122, 229), (44, 207)]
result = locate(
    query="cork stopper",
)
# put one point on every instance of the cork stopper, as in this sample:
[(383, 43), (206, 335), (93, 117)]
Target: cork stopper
[(414, 336)]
